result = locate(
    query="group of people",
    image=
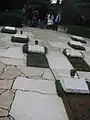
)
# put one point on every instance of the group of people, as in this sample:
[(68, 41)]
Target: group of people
[(53, 21), (36, 18)]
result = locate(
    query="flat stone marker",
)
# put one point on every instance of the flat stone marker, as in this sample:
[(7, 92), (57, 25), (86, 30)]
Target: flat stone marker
[(8, 29), (78, 38), (76, 45), (35, 106), (74, 85), (58, 61), (20, 38), (43, 86), (14, 52)]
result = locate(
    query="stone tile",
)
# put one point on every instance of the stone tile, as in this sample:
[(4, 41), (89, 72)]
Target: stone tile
[(6, 99), (14, 52), (10, 61), (10, 72), (62, 73), (31, 71), (85, 75), (3, 113), (5, 118), (40, 42), (30, 34), (87, 57), (35, 106), (64, 38), (13, 90), (72, 85), (58, 61), (2, 66), (2, 91), (48, 74), (39, 85), (6, 84), (58, 44)]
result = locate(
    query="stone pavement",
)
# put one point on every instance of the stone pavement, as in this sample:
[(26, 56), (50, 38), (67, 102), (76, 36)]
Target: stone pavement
[(29, 93)]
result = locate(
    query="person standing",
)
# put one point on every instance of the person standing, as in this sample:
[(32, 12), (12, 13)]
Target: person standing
[(50, 21), (57, 21)]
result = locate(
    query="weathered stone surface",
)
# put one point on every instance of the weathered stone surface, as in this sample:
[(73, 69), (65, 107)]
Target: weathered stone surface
[(43, 86), (31, 71), (87, 57), (3, 113), (5, 84), (85, 75), (11, 61), (14, 52), (5, 118), (6, 99), (45, 73), (10, 72), (2, 66), (48, 74), (58, 73), (58, 61), (2, 90), (58, 44), (37, 107)]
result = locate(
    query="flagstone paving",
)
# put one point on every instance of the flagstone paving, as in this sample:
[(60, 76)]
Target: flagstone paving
[(29, 93)]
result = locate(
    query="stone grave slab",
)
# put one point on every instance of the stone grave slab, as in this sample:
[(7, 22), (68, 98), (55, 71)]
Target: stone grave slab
[(57, 60), (79, 39), (37, 107), (39, 85), (74, 85), (43, 73), (14, 52), (76, 45), (77, 60), (8, 29), (20, 38), (59, 73)]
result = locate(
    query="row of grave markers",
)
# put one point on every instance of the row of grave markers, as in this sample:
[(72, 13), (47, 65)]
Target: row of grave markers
[(68, 88)]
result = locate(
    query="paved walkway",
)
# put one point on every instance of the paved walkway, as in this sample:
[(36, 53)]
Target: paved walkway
[(29, 93)]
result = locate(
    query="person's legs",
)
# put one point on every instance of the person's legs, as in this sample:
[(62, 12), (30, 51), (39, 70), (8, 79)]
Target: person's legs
[(56, 26)]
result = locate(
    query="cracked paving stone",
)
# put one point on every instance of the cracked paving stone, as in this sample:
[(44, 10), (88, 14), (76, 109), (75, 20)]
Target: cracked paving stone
[(1, 91), (6, 99), (2, 66), (45, 73), (6, 84), (10, 72), (43, 86), (31, 71), (11, 61), (14, 52), (3, 113), (37, 107), (22, 75), (48, 74), (5, 118)]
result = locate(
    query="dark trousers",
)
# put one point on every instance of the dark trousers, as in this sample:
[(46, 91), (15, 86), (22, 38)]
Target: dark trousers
[(56, 24)]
